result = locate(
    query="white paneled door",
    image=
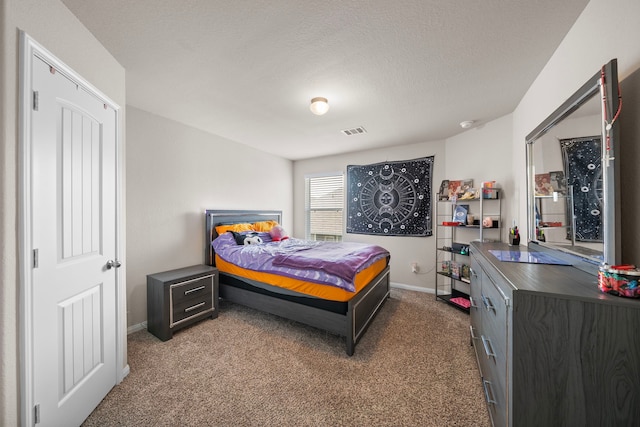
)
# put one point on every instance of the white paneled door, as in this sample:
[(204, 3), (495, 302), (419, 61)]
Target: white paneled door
[(73, 240)]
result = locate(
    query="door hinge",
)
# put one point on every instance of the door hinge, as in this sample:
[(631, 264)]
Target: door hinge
[(35, 100), (36, 414), (35, 258)]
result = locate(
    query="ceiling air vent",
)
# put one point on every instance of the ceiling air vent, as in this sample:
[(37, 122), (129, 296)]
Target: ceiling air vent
[(354, 131)]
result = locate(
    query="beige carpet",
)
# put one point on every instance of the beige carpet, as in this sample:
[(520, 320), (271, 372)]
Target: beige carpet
[(413, 367)]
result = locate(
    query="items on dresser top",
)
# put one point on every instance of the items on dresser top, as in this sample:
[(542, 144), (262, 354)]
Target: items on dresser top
[(527, 257)]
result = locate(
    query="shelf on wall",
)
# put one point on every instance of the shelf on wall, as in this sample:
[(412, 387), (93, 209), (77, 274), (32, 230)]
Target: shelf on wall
[(452, 299), (453, 252), (450, 276)]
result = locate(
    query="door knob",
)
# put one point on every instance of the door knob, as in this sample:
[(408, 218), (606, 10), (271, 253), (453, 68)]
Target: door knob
[(113, 264)]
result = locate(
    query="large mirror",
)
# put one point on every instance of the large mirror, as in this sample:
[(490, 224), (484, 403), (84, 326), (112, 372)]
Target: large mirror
[(572, 174)]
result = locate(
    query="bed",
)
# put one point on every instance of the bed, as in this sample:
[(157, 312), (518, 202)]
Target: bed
[(347, 316)]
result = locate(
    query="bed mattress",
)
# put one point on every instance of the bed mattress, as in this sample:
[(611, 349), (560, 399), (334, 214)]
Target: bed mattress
[(303, 287)]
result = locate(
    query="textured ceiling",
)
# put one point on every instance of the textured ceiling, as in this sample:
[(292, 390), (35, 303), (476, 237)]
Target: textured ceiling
[(406, 71)]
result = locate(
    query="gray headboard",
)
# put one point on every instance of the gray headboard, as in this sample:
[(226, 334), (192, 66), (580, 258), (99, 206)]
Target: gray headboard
[(214, 218)]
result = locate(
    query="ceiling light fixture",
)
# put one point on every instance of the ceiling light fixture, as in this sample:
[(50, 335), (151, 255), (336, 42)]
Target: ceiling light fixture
[(319, 106), (466, 124)]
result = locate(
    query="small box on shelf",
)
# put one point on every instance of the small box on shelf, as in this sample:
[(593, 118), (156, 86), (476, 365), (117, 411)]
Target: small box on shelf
[(488, 222), (490, 193), (446, 267), (455, 270), (465, 273)]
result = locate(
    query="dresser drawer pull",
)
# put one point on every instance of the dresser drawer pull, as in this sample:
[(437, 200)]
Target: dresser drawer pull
[(186, 282), (473, 272), (488, 393), (488, 304), (190, 291), (473, 303), (193, 307), (486, 343), (472, 332)]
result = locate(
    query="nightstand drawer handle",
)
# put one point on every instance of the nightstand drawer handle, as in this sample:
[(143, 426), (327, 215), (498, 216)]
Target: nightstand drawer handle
[(194, 290), (193, 307)]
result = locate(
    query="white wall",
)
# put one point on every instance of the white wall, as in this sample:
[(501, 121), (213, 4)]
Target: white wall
[(174, 173), (51, 24), (483, 154), (630, 172), (404, 250)]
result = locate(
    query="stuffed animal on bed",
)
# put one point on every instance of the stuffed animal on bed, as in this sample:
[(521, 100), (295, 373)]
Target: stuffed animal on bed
[(246, 238), (277, 233)]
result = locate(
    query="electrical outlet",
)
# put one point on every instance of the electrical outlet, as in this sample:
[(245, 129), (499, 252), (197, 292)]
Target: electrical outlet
[(414, 267)]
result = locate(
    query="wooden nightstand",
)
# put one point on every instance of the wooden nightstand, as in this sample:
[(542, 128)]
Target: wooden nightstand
[(178, 298)]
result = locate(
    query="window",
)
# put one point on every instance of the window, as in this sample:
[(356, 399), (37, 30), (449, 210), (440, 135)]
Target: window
[(324, 205)]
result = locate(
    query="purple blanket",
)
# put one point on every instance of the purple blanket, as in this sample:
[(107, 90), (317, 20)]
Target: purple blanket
[(304, 254), (342, 259)]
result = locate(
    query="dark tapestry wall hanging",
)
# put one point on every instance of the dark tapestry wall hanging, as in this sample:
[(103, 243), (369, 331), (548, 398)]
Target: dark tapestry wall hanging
[(390, 198), (582, 165)]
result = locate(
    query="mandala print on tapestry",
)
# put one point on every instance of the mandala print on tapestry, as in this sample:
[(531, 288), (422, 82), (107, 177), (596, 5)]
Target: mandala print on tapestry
[(581, 158), (390, 198)]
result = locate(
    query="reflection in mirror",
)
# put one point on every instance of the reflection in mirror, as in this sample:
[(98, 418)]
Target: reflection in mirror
[(571, 174), (568, 182)]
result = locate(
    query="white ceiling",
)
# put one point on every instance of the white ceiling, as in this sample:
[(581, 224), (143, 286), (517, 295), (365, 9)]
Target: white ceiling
[(407, 70)]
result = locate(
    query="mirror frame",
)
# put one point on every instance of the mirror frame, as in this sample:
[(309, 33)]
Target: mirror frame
[(605, 83)]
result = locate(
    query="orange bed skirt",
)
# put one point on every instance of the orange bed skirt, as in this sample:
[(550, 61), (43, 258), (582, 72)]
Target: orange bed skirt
[(327, 292)]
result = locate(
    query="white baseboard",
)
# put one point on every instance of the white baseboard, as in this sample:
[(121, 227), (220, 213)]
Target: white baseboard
[(412, 288), (125, 372), (135, 328)]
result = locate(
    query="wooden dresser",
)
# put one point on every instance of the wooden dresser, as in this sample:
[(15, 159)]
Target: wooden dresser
[(552, 349), (178, 298)]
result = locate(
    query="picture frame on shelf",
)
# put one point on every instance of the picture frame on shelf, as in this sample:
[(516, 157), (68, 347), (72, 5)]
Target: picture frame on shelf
[(443, 193), (460, 214), (452, 191), (558, 181), (543, 184), (467, 185), (446, 266), (465, 272), (455, 270), (457, 188)]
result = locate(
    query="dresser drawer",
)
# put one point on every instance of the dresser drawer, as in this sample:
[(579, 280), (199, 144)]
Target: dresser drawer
[(190, 308), (475, 295), (494, 319), (491, 344), (493, 357), (475, 311), (495, 394), (191, 298), (191, 289)]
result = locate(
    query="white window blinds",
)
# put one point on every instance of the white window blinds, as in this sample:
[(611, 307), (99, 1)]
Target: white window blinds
[(324, 207)]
